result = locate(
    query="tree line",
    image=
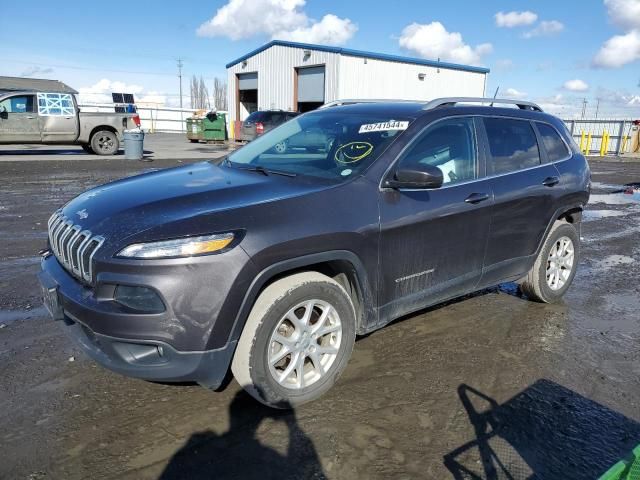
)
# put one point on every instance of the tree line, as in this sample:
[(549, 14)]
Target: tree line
[(200, 94)]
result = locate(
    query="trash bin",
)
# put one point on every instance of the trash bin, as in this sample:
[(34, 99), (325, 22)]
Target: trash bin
[(133, 144), (215, 127), (194, 129)]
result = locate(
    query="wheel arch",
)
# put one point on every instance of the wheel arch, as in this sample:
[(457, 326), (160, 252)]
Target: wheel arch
[(342, 265), (569, 213)]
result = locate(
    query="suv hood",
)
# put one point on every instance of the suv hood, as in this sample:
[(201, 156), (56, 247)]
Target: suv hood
[(159, 199)]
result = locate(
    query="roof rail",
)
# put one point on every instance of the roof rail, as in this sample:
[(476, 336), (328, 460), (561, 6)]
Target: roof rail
[(451, 101), (351, 101)]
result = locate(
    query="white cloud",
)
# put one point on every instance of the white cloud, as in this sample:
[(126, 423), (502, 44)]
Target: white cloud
[(100, 92), (330, 30), (515, 19), (513, 93), (544, 29), (619, 50), (624, 13), (576, 85), (36, 71), (434, 41), (504, 64), (283, 19)]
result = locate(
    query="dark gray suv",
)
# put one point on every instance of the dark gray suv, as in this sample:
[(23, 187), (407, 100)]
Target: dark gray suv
[(269, 264), (262, 121)]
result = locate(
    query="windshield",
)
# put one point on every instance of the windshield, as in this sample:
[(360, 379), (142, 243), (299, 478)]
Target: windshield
[(327, 144)]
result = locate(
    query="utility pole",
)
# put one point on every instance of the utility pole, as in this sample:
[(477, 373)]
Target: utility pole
[(597, 107), (180, 77), (584, 107)]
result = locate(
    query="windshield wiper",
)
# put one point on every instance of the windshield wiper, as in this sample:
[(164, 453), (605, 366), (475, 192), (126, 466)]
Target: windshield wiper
[(260, 169)]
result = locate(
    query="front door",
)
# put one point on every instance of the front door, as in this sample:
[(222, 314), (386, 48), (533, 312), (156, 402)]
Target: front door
[(18, 120), (58, 118), (433, 241)]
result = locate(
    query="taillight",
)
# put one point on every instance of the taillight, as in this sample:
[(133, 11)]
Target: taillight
[(136, 120), (259, 128)]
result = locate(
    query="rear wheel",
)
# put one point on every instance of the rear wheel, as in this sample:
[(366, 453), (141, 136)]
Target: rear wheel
[(105, 142), (555, 267), (297, 340)]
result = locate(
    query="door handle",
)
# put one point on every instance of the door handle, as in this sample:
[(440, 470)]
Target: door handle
[(477, 198), (550, 181)]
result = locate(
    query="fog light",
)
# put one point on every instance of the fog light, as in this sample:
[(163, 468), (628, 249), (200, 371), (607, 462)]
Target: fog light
[(140, 299)]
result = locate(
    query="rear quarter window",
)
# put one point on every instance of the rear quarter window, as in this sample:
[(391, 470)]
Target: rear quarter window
[(556, 149), (512, 144)]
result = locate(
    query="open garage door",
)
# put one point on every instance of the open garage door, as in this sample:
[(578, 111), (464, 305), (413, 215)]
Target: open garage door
[(247, 98), (309, 88)]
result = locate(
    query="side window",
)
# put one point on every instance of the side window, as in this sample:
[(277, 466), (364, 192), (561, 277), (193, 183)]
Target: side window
[(277, 118), (512, 144), (55, 104), (553, 144), (449, 145), (18, 104)]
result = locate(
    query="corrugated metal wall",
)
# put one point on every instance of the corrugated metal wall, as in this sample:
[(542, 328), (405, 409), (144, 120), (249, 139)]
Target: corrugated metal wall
[(371, 78), (349, 77), (275, 76)]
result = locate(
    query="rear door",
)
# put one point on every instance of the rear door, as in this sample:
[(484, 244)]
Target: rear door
[(432, 242), (19, 121), (523, 186), (58, 117)]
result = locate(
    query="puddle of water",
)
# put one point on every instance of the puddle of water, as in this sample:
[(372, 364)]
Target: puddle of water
[(620, 198), (614, 261), (9, 316), (588, 215)]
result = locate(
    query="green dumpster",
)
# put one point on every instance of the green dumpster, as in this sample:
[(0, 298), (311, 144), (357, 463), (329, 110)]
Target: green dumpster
[(194, 129), (215, 127), (626, 469)]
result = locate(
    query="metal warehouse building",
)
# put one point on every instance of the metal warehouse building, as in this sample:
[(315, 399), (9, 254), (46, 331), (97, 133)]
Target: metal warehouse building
[(300, 77)]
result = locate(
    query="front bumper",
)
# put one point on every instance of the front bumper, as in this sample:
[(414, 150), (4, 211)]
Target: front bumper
[(169, 346), (150, 360)]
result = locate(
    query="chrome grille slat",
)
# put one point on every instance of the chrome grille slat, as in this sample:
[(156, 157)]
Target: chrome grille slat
[(74, 247)]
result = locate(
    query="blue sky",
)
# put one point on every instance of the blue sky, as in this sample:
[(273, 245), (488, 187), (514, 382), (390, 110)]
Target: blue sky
[(548, 51)]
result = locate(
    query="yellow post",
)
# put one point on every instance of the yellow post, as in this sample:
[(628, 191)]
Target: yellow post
[(603, 143), (582, 139), (625, 139), (606, 145), (587, 147)]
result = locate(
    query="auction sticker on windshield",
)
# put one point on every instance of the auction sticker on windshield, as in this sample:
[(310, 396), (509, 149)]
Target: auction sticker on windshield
[(384, 126)]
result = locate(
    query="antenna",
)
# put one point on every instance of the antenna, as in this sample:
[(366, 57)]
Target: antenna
[(495, 95)]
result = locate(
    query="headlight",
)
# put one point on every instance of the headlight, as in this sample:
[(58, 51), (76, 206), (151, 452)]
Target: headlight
[(180, 247)]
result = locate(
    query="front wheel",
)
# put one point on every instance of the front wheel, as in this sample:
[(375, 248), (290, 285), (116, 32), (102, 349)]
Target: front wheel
[(555, 267), (105, 142), (297, 340)]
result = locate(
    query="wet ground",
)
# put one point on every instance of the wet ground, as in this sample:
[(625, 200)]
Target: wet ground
[(492, 386)]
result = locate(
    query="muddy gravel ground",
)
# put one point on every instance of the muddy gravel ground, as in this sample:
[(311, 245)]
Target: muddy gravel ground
[(490, 386)]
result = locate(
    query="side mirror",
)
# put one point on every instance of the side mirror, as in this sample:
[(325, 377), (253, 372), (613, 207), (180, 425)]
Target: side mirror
[(420, 176), (3, 109)]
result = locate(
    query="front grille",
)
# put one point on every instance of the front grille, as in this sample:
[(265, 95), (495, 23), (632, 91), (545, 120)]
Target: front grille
[(73, 247)]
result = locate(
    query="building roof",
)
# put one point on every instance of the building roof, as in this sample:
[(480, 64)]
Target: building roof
[(359, 53), (34, 84)]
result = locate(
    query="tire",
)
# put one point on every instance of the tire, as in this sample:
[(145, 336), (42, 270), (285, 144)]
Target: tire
[(87, 148), (105, 142), (268, 320), (541, 283)]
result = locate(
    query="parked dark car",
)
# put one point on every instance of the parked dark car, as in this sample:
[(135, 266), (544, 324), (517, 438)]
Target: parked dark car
[(262, 121), (270, 264)]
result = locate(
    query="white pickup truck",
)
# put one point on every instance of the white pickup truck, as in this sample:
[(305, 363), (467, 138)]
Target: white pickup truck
[(54, 118)]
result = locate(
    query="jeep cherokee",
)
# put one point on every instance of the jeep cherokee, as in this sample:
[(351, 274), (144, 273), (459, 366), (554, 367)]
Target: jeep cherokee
[(269, 264)]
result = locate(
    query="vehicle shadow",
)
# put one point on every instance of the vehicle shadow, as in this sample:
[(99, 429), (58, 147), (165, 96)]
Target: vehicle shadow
[(545, 432), (239, 454)]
